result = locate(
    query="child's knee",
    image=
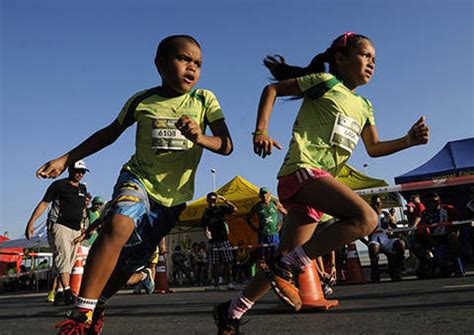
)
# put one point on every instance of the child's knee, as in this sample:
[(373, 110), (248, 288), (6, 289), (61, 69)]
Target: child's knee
[(366, 221)]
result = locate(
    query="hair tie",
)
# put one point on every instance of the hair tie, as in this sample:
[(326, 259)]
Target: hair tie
[(342, 42)]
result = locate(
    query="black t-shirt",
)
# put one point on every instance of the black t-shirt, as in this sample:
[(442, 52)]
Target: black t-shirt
[(68, 203), (214, 220)]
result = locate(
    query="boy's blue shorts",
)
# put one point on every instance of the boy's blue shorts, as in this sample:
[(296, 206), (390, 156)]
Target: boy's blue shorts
[(152, 221)]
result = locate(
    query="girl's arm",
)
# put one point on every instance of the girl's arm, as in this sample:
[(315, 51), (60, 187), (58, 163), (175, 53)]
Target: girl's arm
[(97, 141), (262, 143), (418, 134), (220, 142)]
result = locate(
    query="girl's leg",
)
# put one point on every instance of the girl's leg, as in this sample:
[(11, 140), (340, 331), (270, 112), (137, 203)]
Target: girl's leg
[(299, 228), (104, 255), (356, 217)]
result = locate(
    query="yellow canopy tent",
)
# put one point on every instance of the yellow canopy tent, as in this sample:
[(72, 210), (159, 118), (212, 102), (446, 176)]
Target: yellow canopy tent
[(244, 195)]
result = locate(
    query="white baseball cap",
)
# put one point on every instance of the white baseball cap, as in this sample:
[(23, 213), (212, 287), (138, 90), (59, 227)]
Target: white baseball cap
[(79, 165)]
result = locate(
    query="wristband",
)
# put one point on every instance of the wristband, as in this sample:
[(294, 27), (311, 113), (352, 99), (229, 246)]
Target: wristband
[(260, 132)]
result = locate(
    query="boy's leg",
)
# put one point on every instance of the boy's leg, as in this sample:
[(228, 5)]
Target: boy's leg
[(104, 255)]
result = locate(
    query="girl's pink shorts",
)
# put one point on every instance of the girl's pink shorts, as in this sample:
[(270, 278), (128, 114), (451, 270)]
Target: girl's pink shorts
[(289, 185)]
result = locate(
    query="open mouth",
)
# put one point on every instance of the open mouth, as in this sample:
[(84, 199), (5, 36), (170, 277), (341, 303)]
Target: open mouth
[(189, 78)]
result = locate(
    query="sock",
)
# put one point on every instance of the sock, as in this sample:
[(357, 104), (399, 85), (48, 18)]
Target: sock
[(297, 258), (67, 288), (60, 290), (84, 303), (239, 306)]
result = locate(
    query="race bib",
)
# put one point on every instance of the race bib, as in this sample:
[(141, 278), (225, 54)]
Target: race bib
[(346, 133), (165, 135)]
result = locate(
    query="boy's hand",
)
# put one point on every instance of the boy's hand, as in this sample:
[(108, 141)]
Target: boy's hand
[(263, 144), (419, 133), (52, 169), (189, 128)]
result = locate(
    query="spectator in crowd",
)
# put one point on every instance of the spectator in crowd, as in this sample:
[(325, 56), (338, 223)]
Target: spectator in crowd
[(380, 242), (197, 264), (93, 213), (221, 253), (429, 242), (267, 210), (203, 250), (469, 215), (416, 207), (180, 266), (64, 222), (242, 262), (391, 217)]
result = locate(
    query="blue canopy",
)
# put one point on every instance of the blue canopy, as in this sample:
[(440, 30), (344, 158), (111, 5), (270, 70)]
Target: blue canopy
[(455, 159)]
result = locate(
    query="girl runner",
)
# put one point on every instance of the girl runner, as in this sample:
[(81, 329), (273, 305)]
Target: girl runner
[(330, 121)]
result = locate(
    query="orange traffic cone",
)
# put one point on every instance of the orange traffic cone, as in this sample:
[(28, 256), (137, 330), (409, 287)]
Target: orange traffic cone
[(354, 272), (76, 276), (161, 277), (311, 292)]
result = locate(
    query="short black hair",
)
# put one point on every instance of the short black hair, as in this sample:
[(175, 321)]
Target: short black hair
[(167, 44)]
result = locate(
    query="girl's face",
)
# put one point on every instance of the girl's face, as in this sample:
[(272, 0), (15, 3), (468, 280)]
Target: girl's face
[(358, 67), (181, 68)]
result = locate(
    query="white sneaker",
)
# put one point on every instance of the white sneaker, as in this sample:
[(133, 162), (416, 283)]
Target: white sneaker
[(230, 286), (211, 288)]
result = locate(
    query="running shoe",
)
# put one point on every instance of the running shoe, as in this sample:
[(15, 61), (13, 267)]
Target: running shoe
[(77, 323), (282, 278), (148, 283), (230, 287), (68, 297), (97, 322), (225, 324), (59, 298), (50, 296)]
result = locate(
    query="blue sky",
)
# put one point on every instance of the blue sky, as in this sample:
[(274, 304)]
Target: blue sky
[(67, 67)]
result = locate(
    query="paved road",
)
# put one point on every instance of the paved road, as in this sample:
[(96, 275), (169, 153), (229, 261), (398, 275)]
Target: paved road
[(441, 306)]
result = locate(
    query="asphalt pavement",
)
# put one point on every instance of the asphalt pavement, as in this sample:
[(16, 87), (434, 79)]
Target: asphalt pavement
[(438, 306)]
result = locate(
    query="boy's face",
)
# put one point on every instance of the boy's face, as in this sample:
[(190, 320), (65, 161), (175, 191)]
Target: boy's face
[(181, 68)]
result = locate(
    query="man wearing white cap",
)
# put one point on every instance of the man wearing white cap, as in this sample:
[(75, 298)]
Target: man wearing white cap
[(67, 199)]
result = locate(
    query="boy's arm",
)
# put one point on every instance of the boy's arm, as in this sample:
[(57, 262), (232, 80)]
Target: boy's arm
[(418, 134), (97, 141), (220, 142), (38, 211)]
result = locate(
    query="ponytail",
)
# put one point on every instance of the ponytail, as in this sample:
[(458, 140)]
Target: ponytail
[(282, 71)]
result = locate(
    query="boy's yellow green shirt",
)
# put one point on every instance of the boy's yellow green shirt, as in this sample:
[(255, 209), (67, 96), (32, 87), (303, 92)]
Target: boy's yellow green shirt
[(164, 161), (328, 125)]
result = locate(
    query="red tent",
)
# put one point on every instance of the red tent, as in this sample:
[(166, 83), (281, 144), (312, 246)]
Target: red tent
[(9, 255)]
